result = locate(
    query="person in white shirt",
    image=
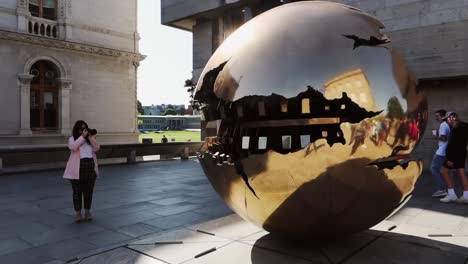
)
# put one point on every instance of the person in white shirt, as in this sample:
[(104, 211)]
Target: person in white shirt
[(439, 157)]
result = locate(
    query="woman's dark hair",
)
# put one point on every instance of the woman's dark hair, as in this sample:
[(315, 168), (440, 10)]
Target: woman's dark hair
[(441, 112), (77, 128)]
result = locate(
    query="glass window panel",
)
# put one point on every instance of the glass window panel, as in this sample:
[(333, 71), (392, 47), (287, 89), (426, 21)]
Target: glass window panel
[(49, 14), (34, 7), (262, 142), (48, 100), (305, 140), (35, 120), (261, 108), (50, 77), (48, 3), (50, 118), (306, 106), (245, 142), (286, 142), (48, 9), (284, 106), (34, 100)]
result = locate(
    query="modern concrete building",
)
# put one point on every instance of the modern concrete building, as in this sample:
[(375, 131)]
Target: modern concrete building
[(65, 60), (431, 34), (169, 122)]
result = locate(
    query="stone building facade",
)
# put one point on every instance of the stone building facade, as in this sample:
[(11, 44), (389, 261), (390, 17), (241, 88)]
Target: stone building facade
[(431, 34), (65, 60)]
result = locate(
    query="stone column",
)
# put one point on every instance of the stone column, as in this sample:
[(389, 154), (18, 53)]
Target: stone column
[(65, 86), (24, 84)]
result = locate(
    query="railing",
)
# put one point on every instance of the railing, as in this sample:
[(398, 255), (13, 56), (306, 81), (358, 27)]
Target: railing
[(42, 27), (31, 157)]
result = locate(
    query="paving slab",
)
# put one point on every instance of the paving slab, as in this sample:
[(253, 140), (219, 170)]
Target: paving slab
[(191, 244), (13, 244), (236, 253), (230, 227), (121, 256), (139, 230)]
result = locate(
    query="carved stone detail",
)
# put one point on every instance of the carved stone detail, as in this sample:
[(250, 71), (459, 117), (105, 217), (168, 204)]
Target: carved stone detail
[(25, 79), (101, 51), (23, 3), (69, 8), (65, 83), (62, 8)]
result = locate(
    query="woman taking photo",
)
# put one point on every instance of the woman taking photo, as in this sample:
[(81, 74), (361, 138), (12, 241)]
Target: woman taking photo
[(82, 168)]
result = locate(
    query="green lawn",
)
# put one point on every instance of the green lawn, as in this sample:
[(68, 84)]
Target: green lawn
[(172, 136)]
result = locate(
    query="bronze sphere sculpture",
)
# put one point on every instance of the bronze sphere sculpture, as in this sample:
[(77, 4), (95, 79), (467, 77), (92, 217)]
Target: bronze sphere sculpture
[(311, 121)]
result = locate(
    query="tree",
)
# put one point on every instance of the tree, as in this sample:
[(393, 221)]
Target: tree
[(170, 111), (394, 109), (140, 109), (191, 90)]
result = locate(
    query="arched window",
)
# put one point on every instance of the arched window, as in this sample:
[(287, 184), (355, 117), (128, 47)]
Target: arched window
[(43, 8), (44, 95)]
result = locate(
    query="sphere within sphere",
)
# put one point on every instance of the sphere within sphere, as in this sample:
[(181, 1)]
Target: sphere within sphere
[(314, 118)]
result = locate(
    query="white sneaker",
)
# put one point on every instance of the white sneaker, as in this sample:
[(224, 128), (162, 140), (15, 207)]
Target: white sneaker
[(439, 193), (462, 200), (449, 199)]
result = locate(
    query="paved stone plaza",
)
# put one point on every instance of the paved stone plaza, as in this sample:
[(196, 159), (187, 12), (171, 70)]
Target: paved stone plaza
[(139, 208)]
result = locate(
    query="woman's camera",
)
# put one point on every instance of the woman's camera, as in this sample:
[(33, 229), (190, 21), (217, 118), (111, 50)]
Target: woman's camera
[(91, 132)]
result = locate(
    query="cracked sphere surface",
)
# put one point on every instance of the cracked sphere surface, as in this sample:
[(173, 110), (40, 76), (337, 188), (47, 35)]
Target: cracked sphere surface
[(312, 119)]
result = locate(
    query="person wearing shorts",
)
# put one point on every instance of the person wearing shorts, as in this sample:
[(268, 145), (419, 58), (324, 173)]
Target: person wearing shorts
[(456, 156)]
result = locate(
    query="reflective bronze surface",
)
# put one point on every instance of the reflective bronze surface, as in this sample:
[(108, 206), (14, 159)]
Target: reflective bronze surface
[(314, 119)]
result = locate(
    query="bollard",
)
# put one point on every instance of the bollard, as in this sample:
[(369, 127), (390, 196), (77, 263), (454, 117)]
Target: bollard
[(131, 158), (185, 154)]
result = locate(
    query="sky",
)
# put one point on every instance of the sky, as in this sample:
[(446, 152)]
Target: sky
[(168, 63)]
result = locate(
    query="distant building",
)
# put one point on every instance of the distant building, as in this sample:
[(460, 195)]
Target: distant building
[(64, 60), (151, 110), (161, 109), (169, 122), (356, 86)]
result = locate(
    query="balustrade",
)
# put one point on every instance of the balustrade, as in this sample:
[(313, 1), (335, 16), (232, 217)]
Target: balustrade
[(42, 27)]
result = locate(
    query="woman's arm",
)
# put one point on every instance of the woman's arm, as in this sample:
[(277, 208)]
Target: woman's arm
[(74, 145), (94, 144)]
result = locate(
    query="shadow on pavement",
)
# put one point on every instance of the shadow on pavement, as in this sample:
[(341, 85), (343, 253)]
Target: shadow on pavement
[(366, 247)]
